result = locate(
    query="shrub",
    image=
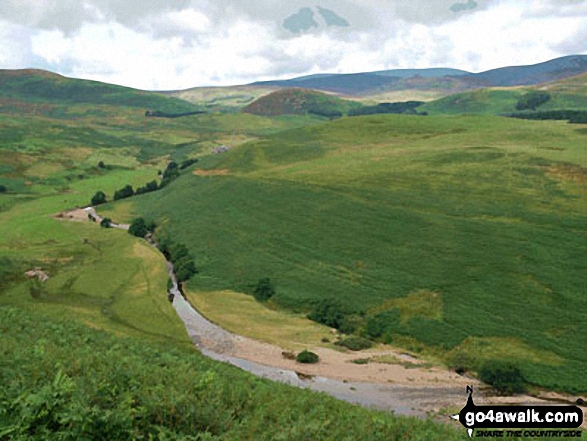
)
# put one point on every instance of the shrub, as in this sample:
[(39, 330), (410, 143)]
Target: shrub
[(329, 312), (355, 343), (185, 269), (187, 163), (149, 187), (264, 290), (138, 227), (503, 376), (532, 100), (99, 198), (3, 189), (101, 164), (408, 107), (307, 357), (106, 222), (380, 324), (123, 193), (350, 323)]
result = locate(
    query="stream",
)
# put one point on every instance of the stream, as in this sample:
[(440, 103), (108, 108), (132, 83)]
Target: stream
[(215, 343)]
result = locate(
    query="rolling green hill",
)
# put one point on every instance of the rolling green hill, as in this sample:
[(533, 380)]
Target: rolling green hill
[(22, 87), (485, 213), (300, 102)]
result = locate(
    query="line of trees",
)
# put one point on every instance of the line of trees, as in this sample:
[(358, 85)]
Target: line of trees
[(408, 108), (532, 100), (179, 255), (573, 116), (170, 173), (140, 228), (160, 114)]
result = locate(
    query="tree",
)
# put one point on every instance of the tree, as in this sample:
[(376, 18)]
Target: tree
[(152, 186), (101, 164), (187, 163), (532, 100), (123, 193), (106, 222), (138, 227), (503, 376), (99, 198), (3, 189), (264, 290), (151, 225), (329, 312)]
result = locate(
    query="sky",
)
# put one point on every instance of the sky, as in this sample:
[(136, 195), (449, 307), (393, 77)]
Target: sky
[(178, 44)]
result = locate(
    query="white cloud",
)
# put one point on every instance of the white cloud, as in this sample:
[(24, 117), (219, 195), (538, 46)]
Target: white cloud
[(180, 44)]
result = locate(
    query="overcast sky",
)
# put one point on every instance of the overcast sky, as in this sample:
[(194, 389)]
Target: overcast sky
[(176, 44)]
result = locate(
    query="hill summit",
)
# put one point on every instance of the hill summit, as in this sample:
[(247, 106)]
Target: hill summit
[(297, 101)]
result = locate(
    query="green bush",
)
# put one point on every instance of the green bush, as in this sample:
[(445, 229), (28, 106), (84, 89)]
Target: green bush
[(355, 343), (138, 227), (264, 290), (3, 189), (106, 222), (503, 376), (307, 357), (532, 100), (124, 193), (329, 312), (99, 198)]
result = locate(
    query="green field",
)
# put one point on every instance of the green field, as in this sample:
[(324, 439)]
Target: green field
[(488, 213)]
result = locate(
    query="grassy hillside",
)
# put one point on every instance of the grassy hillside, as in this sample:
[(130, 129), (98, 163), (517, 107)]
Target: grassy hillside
[(22, 87), (63, 380), (300, 102), (222, 99), (486, 214), (491, 101)]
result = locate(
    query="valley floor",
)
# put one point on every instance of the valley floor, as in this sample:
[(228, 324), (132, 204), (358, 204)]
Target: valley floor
[(390, 379)]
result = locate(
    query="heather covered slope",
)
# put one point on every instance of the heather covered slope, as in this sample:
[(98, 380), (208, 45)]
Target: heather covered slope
[(300, 102), (22, 87)]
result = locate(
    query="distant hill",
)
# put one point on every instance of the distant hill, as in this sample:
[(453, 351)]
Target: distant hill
[(38, 86), (568, 94), (363, 83), (440, 79), (300, 102), (534, 74)]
